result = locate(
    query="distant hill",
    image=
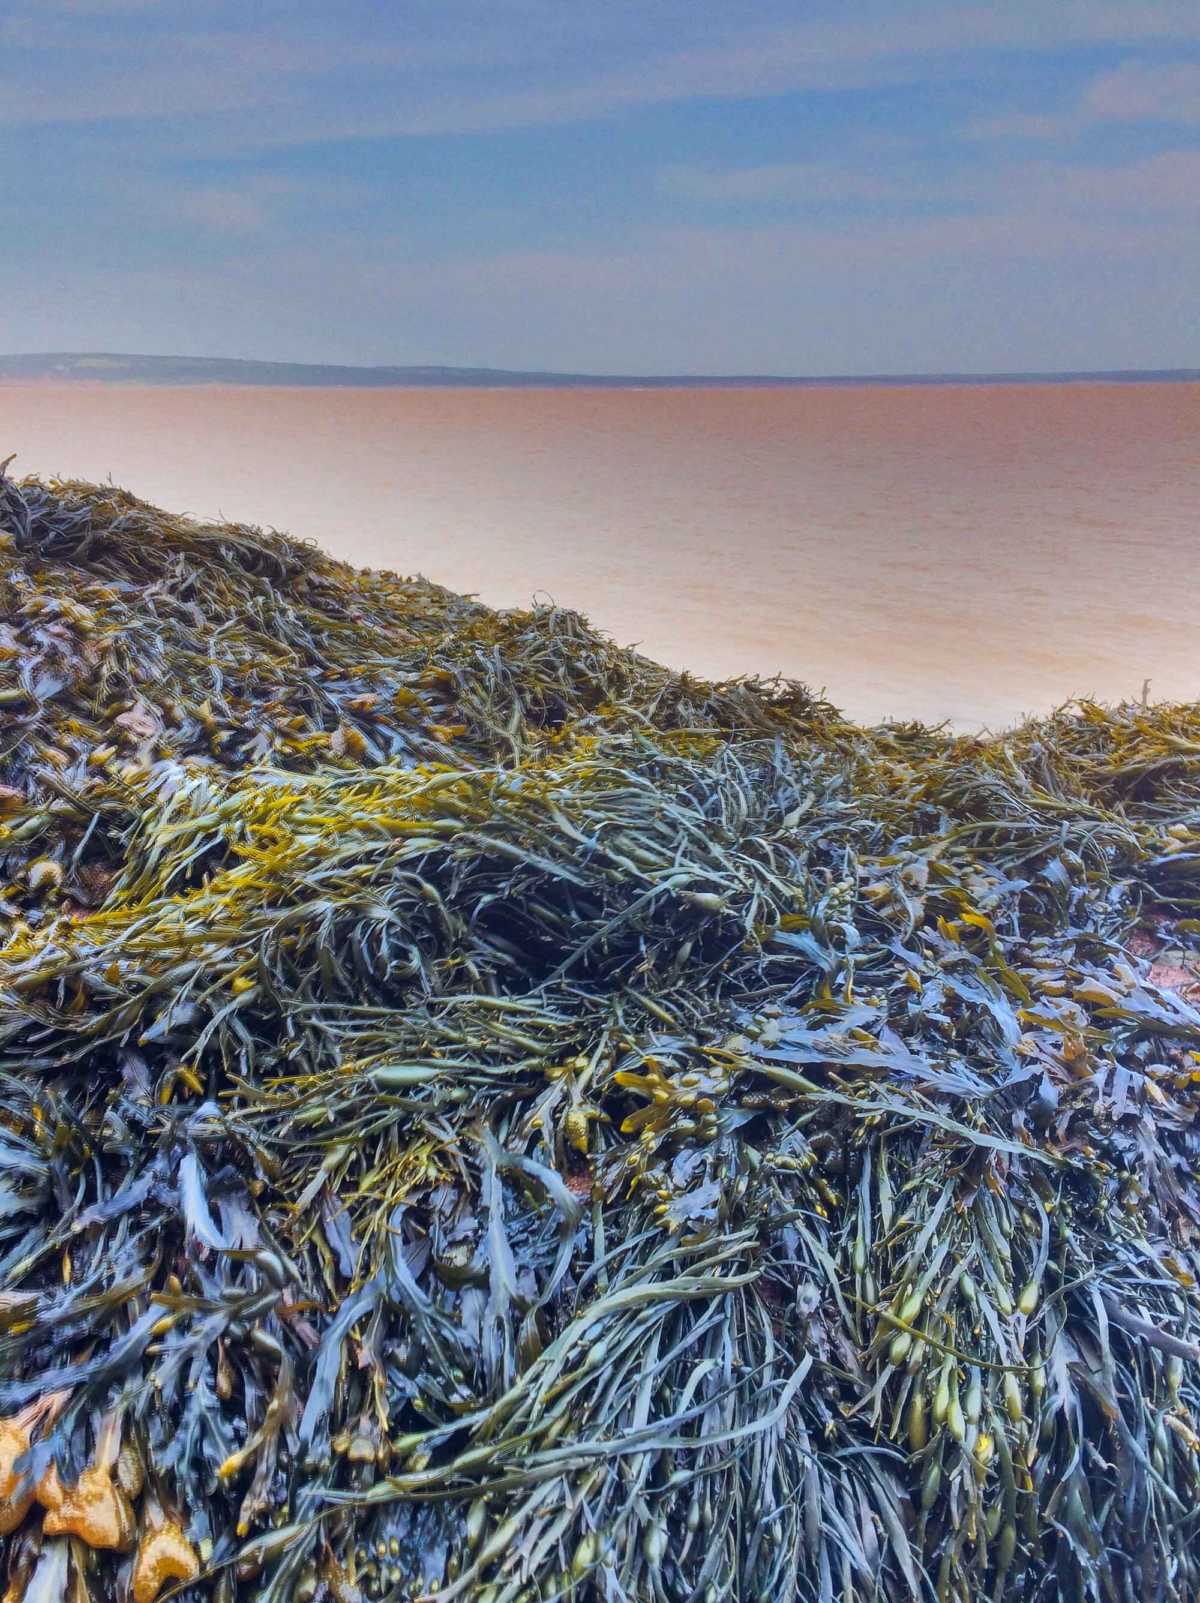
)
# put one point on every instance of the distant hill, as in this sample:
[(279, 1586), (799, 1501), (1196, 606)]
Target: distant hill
[(118, 368)]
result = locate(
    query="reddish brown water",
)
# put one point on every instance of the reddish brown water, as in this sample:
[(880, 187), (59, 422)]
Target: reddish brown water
[(963, 553)]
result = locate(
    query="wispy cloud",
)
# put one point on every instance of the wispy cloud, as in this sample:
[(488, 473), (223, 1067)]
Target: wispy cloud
[(221, 209), (1017, 127), (269, 205), (1029, 285), (796, 183), (516, 65), (646, 183), (1163, 93), (101, 8), (1166, 92), (1165, 184)]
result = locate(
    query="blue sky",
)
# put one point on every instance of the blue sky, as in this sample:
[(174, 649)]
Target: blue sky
[(670, 185)]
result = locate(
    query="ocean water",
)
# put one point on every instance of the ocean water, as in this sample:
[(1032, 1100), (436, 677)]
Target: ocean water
[(950, 553)]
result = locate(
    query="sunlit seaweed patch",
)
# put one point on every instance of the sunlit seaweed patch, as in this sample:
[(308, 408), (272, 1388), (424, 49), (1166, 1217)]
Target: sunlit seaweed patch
[(483, 1117)]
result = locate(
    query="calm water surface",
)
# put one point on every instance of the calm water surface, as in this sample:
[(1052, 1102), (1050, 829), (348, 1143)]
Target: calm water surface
[(962, 553)]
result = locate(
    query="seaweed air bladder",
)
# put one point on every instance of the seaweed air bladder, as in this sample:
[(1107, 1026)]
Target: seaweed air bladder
[(485, 1117)]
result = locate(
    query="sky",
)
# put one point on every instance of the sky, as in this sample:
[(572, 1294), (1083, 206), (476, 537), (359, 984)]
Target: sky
[(675, 186)]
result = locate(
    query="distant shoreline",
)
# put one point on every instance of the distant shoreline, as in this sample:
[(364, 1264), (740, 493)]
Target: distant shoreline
[(104, 370)]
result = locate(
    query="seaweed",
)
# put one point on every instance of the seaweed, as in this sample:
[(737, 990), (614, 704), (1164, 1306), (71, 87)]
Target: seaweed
[(484, 1117)]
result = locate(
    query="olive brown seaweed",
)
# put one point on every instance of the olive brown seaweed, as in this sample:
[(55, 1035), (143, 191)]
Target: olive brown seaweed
[(485, 1118)]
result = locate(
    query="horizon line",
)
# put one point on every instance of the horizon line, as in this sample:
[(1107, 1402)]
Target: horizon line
[(384, 375)]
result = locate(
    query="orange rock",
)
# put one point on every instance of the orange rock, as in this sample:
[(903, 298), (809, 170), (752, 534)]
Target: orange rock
[(95, 1509), (16, 1493), (165, 1555), (16, 1437)]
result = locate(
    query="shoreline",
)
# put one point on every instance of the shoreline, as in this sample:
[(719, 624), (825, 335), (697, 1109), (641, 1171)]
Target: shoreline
[(927, 553), (618, 386)]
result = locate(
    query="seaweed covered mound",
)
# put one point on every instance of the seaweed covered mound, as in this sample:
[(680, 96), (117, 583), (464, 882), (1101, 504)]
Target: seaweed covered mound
[(483, 1117)]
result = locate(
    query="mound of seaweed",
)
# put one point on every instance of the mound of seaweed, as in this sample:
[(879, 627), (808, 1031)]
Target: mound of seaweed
[(484, 1117)]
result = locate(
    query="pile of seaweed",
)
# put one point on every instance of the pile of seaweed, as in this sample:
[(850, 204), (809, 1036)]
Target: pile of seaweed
[(484, 1117)]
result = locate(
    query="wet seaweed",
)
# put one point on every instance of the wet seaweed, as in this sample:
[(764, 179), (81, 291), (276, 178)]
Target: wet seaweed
[(483, 1117)]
